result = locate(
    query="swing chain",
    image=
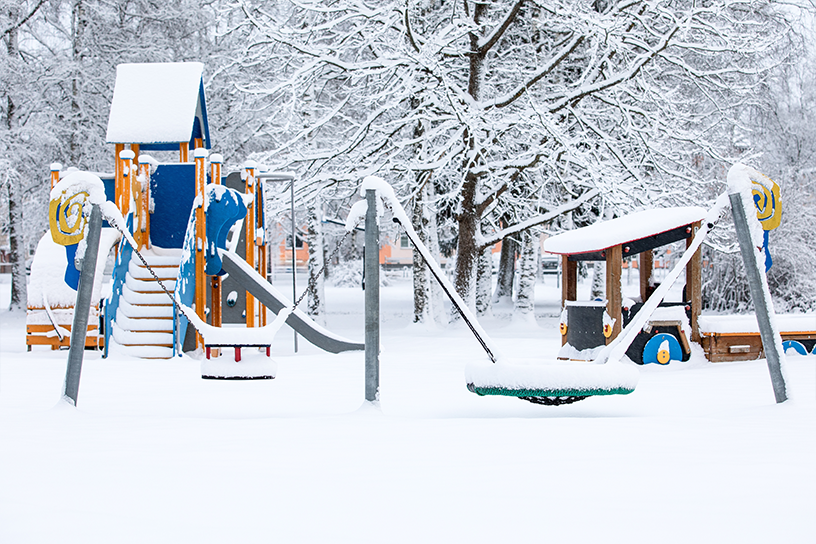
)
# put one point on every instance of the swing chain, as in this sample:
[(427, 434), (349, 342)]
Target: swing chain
[(313, 277)]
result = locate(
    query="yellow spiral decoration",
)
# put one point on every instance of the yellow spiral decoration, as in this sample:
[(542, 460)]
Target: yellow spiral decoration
[(67, 219), (768, 205)]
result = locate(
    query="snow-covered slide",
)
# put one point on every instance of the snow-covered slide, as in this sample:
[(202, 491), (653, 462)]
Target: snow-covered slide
[(263, 291)]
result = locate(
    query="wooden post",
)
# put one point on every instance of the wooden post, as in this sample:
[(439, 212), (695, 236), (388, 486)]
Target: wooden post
[(184, 152), (215, 288), (645, 267), (260, 246), (143, 202), (200, 156), (117, 169), (126, 160), (694, 287), (569, 285), (55, 173), (614, 258), (249, 178)]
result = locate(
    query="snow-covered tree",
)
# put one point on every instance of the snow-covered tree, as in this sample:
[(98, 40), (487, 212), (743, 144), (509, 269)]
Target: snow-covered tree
[(527, 107)]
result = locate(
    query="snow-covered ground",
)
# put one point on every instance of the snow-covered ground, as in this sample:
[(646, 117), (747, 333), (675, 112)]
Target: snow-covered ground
[(153, 453)]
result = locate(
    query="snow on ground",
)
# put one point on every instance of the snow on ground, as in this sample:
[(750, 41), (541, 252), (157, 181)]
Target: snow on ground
[(698, 453)]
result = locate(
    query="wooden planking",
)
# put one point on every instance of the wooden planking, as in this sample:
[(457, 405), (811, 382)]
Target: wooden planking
[(730, 346), (37, 335)]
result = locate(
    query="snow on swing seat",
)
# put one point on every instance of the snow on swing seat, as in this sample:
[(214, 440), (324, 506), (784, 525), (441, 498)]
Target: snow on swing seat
[(550, 378)]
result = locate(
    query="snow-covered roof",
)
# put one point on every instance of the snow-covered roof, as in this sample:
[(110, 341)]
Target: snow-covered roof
[(624, 230), (158, 105)]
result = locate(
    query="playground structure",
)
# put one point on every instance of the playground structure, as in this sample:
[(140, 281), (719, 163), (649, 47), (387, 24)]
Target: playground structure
[(640, 233), (181, 221)]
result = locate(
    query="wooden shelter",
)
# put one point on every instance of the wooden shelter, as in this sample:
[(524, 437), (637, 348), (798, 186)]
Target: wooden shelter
[(639, 234)]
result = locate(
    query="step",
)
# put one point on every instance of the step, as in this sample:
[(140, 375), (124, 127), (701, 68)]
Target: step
[(152, 286), (148, 352), (159, 257), (133, 297), (139, 272), (143, 324), (125, 337), (149, 311)]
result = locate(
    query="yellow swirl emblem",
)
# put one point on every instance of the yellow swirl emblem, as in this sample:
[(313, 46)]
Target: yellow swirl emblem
[(67, 219), (768, 205)]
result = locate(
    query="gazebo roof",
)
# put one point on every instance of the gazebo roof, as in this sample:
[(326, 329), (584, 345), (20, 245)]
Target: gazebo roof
[(158, 105), (639, 231)]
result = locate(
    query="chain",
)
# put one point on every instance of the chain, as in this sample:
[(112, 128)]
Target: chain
[(313, 277)]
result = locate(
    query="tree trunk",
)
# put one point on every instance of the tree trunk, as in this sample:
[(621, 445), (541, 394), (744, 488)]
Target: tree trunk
[(467, 251), (506, 273), (598, 289), (79, 23), (421, 276), (316, 286), (484, 281), (17, 245), (528, 265)]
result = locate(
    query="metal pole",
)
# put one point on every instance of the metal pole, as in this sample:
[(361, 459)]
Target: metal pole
[(762, 305), (372, 299), (294, 251), (83, 305)]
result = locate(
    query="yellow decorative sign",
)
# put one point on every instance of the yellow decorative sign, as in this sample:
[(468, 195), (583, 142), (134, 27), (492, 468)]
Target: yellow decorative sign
[(768, 205), (67, 219)]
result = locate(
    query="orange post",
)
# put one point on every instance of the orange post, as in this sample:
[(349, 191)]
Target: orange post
[(215, 288), (249, 178), (117, 166), (201, 240), (55, 173), (126, 165), (142, 184), (184, 152)]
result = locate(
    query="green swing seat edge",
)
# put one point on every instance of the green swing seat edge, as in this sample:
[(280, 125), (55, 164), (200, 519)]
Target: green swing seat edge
[(503, 391)]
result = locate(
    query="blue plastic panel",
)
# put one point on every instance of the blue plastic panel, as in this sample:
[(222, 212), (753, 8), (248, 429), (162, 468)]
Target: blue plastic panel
[(172, 188)]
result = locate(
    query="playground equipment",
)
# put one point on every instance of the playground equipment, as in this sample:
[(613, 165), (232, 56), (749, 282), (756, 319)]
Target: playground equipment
[(671, 326), (179, 216), (557, 382)]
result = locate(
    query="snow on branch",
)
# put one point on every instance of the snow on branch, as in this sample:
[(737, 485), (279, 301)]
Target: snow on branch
[(538, 220)]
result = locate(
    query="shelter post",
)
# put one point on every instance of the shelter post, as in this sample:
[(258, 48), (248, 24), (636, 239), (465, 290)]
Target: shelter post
[(614, 259), (645, 269), (694, 287), (569, 284)]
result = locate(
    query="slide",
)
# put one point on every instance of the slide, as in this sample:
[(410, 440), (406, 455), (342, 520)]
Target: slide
[(255, 284)]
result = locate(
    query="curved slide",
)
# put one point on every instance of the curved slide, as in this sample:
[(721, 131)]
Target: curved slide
[(257, 286)]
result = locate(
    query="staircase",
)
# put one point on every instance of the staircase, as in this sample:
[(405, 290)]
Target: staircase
[(144, 319)]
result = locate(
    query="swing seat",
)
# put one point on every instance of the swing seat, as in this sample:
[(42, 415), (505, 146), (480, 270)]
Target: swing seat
[(550, 382)]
